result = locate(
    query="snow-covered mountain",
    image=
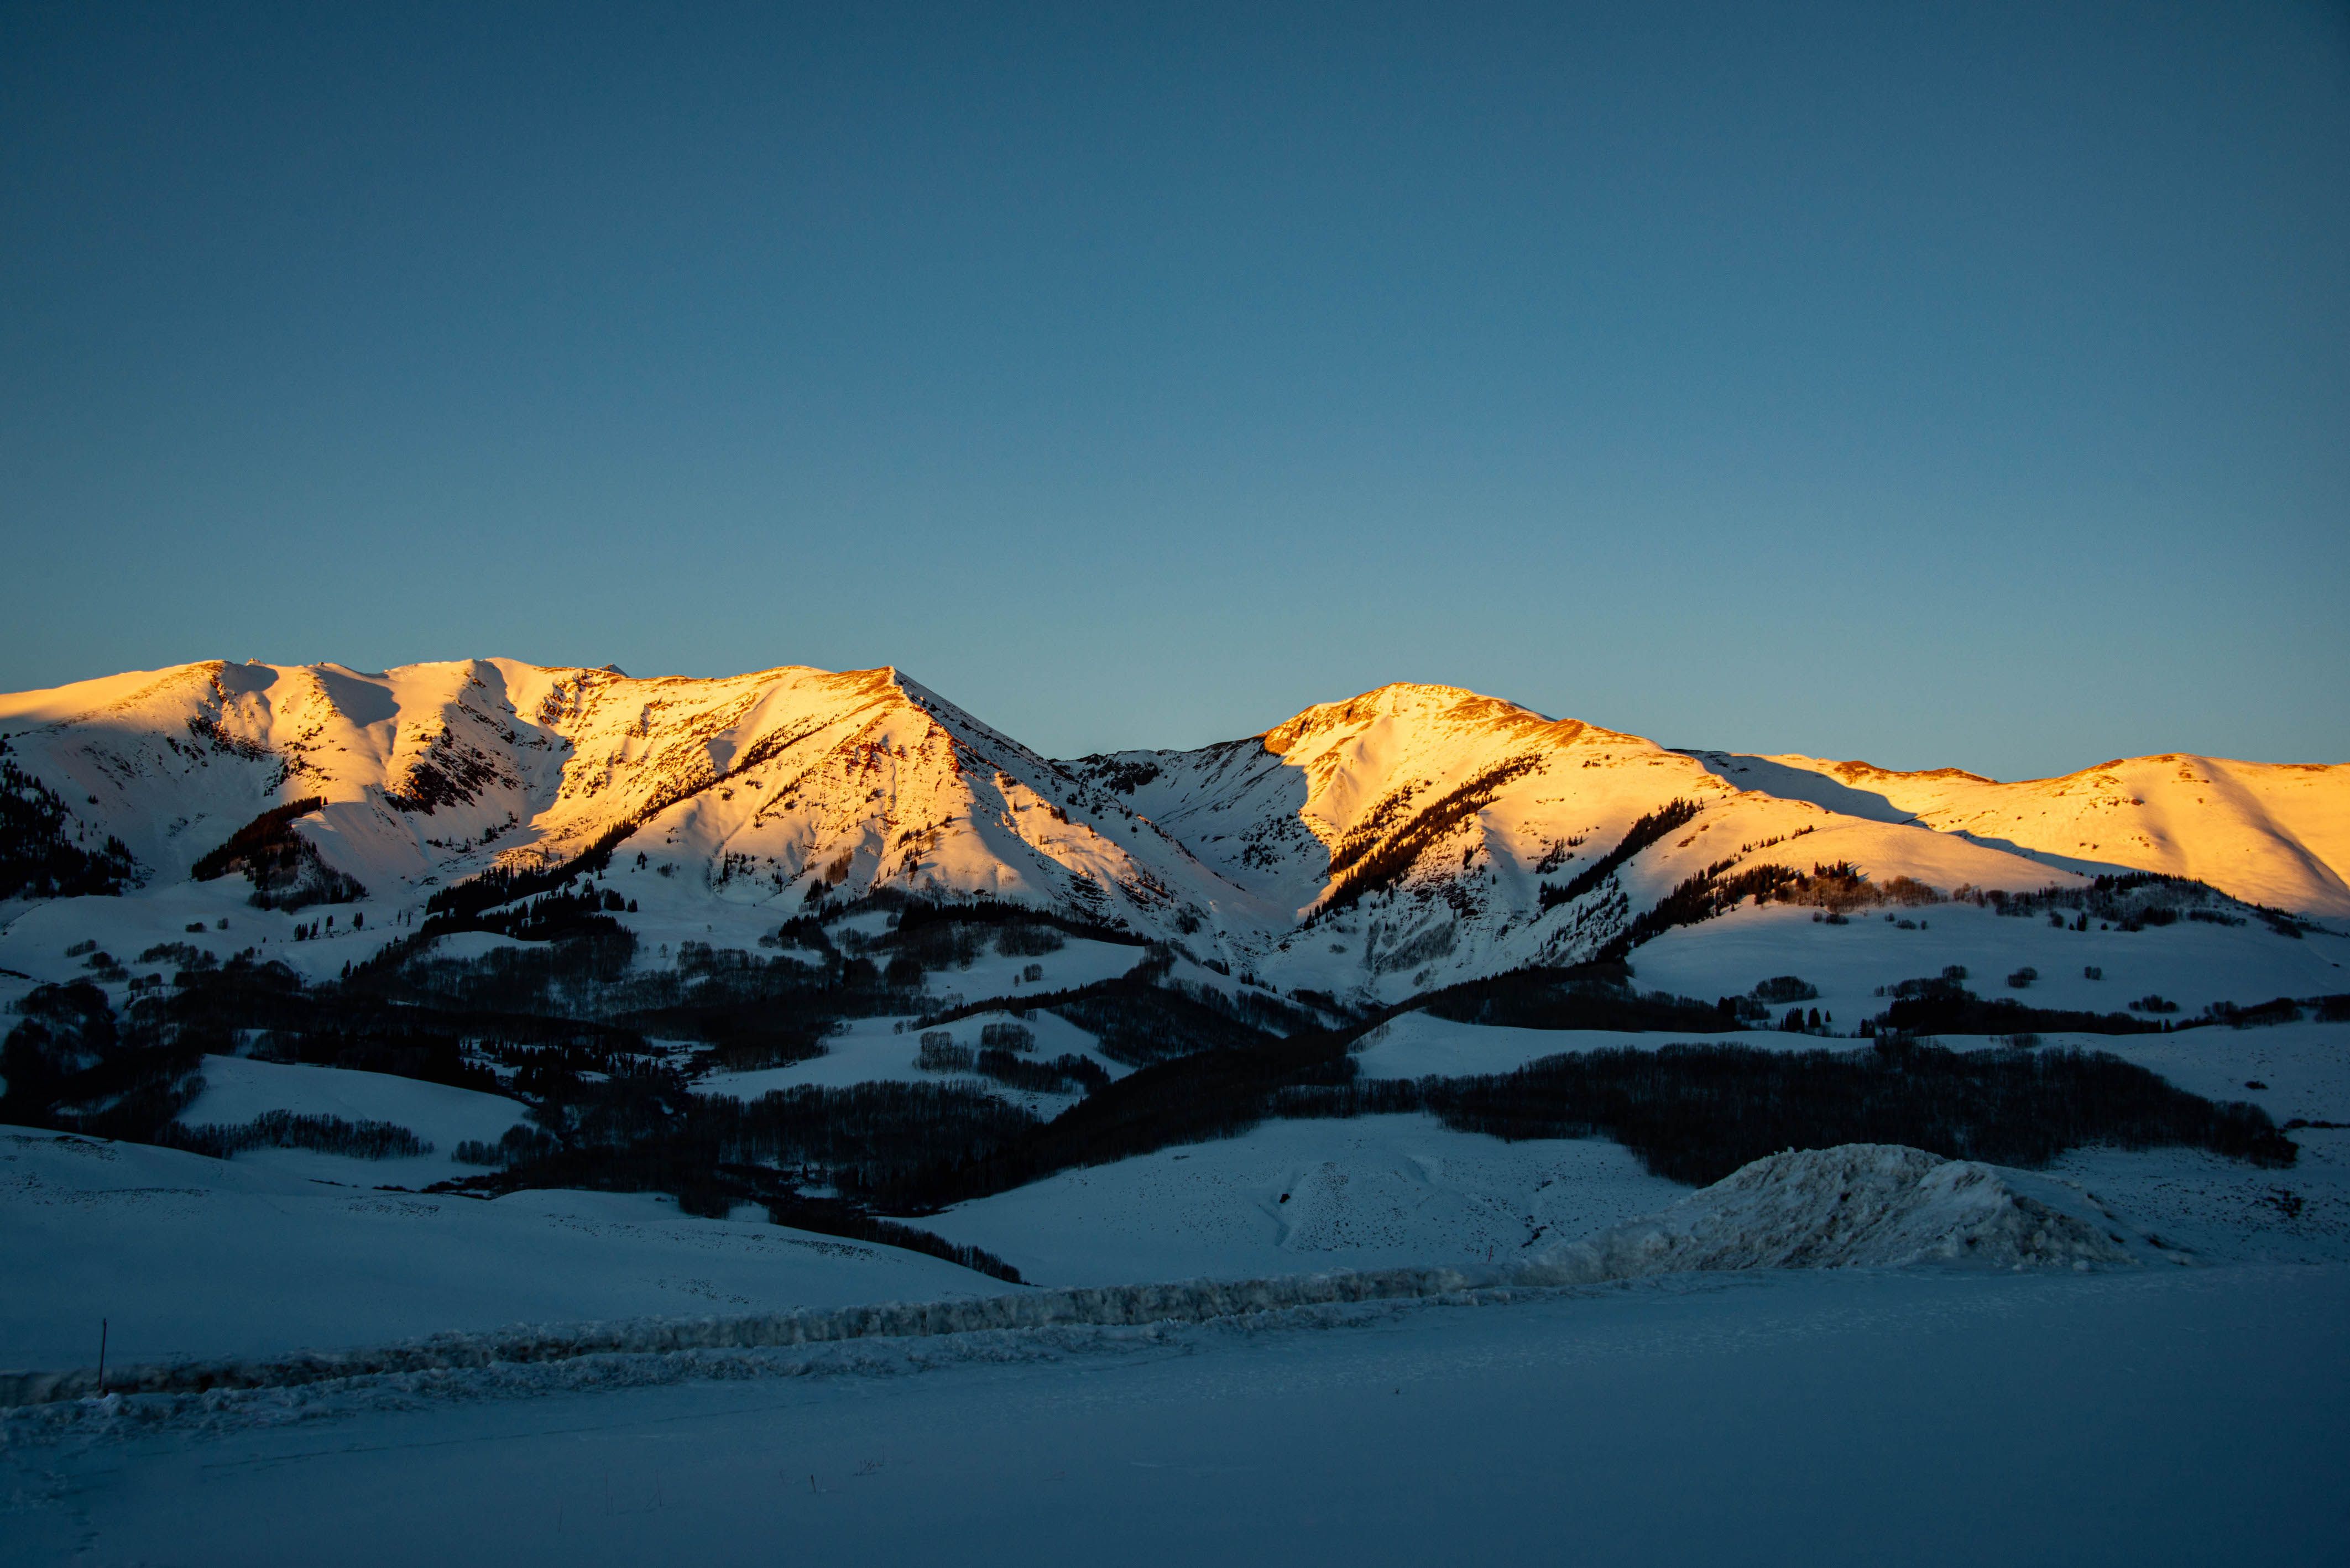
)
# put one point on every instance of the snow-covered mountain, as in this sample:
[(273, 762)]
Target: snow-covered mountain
[(1429, 831), (1371, 848), (762, 783)]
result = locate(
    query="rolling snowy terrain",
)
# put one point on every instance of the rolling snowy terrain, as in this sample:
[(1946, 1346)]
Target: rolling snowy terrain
[(565, 1068)]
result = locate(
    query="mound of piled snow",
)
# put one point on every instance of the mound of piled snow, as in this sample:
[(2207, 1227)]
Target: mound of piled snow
[(1861, 1205)]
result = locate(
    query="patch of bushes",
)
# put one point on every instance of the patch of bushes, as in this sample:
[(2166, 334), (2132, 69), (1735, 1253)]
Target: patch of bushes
[(427, 1049), (2280, 1009), (867, 1138), (2132, 901), (285, 1129), (187, 955), (940, 1054), (1016, 930), (69, 1067), (1190, 1099), (520, 1145), (1063, 1075), (1945, 1006), (850, 1224), (1138, 1024)]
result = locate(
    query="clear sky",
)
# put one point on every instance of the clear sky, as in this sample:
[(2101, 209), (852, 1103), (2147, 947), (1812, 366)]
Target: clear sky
[(1962, 384)]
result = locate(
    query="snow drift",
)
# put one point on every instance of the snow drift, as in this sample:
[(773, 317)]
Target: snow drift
[(1859, 1205), (1855, 1206)]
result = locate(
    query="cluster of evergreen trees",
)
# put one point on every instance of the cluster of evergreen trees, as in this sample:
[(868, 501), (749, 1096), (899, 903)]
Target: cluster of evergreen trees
[(2129, 901), (284, 867), (1838, 889), (1650, 827), (42, 851), (1373, 863)]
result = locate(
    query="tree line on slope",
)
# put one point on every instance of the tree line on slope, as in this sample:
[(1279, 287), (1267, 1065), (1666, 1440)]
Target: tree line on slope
[(1694, 1113)]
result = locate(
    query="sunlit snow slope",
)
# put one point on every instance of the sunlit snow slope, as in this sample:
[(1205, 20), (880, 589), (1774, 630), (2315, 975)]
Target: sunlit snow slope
[(2275, 834)]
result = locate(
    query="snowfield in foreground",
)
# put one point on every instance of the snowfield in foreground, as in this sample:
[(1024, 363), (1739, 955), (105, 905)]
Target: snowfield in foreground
[(2171, 1415), (1832, 1355), (1855, 1206), (187, 1256)]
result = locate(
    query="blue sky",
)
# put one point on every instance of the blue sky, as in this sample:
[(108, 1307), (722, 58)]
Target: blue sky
[(1941, 385)]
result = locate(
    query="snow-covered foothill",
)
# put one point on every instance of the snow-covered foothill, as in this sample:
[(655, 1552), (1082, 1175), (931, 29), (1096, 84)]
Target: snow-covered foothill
[(2298, 1073), (2216, 1207), (238, 1090), (1853, 1207), (1856, 1206), (2190, 963), (1418, 1044), (1371, 1192)]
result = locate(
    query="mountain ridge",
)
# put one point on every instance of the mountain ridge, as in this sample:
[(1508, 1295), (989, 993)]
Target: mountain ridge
[(1404, 837)]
